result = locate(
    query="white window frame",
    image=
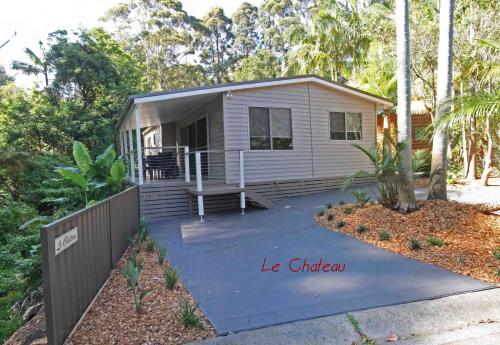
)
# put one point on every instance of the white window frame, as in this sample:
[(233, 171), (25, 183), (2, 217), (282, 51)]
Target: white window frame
[(345, 127), (270, 127)]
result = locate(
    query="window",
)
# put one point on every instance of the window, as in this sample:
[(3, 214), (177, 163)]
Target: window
[(419, 133), (270, 128), (345, 126)]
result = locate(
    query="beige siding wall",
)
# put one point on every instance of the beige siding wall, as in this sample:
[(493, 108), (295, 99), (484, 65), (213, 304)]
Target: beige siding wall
[(268, 165), (339, 157), (311, 157)]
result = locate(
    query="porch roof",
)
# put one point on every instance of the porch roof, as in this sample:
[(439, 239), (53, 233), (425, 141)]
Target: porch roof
[(169, 106)]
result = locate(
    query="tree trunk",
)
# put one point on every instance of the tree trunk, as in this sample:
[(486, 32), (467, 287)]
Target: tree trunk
[(471, 173), (488, 155), (437, 188), (406, 185), (465, 155)]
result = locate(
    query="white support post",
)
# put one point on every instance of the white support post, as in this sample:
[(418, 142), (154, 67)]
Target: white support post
[(139, 145), (242, 183), (199, 187), (131, 152), (122, 147), (186, 164)]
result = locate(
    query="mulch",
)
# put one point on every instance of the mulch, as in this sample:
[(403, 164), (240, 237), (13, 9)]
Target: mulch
[(471, 234), (112, 319)]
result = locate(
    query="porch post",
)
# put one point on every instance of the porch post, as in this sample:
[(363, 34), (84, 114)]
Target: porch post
[(199, 187), (122, 147), (186, 164), (242, 183), (139, 145), (131, 152)]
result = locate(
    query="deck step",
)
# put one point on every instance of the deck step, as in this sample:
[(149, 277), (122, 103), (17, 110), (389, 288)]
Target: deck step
[(216, 190), (259, 199)]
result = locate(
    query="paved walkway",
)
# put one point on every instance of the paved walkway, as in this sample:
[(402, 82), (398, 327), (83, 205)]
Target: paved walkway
[(220, 262)]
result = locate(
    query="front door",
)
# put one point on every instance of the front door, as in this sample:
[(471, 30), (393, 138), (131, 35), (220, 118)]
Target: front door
[(195, 136)]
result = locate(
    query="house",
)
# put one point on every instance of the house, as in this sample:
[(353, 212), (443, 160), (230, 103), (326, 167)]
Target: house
[(221, 146), (420, 119)]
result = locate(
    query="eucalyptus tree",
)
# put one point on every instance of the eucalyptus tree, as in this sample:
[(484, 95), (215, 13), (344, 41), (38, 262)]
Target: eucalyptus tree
[(261, 65), (4, 77), (37, 65), (437, 187), (406, 186), (246, 39)]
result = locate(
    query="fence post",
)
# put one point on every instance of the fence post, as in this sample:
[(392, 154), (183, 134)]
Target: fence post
[(242, 183), (199, 187), (186, 164)]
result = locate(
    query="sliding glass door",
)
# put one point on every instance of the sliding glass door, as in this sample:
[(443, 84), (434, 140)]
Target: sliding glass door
[(195, 136)]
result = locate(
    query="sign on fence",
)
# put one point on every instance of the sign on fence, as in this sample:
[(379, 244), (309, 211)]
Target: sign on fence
[(65, 241)]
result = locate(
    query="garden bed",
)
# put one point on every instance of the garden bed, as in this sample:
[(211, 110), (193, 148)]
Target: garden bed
[(459, 237), (112, 319)]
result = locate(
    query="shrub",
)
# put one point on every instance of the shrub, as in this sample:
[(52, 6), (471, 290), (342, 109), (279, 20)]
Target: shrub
[(171, 277), (415, 244), (162, 252), (340, 224), (361, 198), (384, 235), (435, 241), (187, 314), (496, 253), (329, 217), (150, 245), (348, 210), (131, 274), (321, 213), (329, 205), (362, 228), (341, 202)]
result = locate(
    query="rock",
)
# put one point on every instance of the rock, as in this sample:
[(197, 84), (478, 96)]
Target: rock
[(31, 311)]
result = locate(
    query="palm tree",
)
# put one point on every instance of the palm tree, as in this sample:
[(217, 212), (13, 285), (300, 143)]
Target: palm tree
[(484, 106), (36, 66), (437, 187), (406, 186)]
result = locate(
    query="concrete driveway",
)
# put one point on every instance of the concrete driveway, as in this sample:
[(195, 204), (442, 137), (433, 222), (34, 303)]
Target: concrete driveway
[(221, 264)]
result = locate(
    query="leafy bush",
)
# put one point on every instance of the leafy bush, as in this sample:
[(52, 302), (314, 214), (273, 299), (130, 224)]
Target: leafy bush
[(329, 205), (131, 274), (421, 161), (435, 241), (348, 210), (188, 314), (340, 224), (361, 198), (415, 244), (384, 235), (330, 217), (162, 252), (362, 228), (170, 275), (321, 213), (496, 253)]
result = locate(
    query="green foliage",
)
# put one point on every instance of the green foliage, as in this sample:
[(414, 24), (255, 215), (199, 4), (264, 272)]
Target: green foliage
[(187, 314), (435, 241), (262, 65), (415, 244), (131, 273), (171, 277), (421, 161), (341, 202), (362, 198), (142, 233), (330, 217), (384, 235), (496, 253), (321, 213), (162, 252), (362, 228), (348, 210), (150, 245), (329, 205), (340, 224)]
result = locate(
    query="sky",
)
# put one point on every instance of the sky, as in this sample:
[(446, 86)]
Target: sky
[(32, 20)]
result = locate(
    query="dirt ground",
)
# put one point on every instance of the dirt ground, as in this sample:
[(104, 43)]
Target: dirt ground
[(465, 238)]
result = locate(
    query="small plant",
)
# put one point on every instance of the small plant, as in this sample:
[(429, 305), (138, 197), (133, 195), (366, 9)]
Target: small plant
[(131, 274), (187, 314), (143, 232), (341, 202), (461, 260), (384, 235), (361, 198), (329, 217), (362, 228), (340, 224), (435, 241), (321, 213), (162, 252), (415, 244), (496, 253), (329, 205), (171, 277), (348, 210), (150, 245)]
